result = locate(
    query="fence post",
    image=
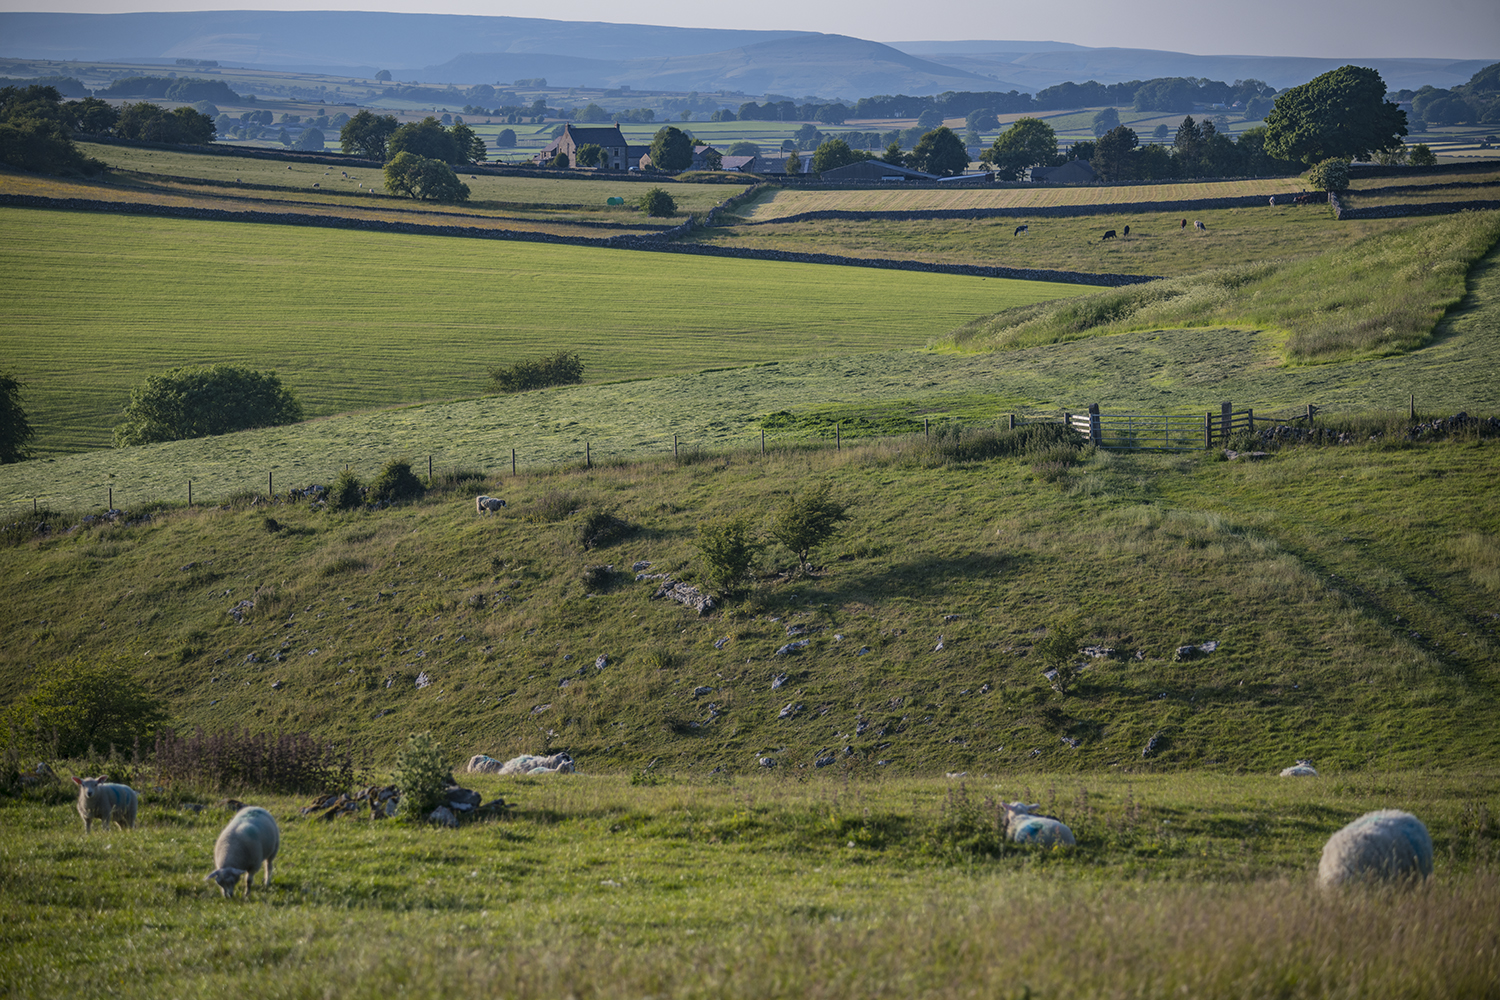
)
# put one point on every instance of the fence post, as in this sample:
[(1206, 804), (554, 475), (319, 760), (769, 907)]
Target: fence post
[(270, 485), (513, 461), (429, 470), (111, 498), (1251, 413), (838, 437), (190, 494), (1012, 422), (763, 442), (1309, 414), (1096, 432), (1413, 410), (1226, 415), (1208, 428), (674, 445), (927, 427), (588, 458)]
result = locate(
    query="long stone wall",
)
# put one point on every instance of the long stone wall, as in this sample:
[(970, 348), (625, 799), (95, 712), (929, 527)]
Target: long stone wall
[(1040, 212)]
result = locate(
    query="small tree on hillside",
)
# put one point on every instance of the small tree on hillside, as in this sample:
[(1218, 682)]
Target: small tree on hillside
[(421, 775), (728, 550), (808, 520), (1330, 175)]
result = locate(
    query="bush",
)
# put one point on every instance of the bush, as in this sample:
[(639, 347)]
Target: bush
[(291, 764), (82, 704), (1330, 175), (601, 527), (190, 402), (16, 431), (421, 776), (554, 505), (1058, 652), (1421, 155), (347, 492), (396, 483), (657, 203), (808, 520), (562, 368), (727, 550)]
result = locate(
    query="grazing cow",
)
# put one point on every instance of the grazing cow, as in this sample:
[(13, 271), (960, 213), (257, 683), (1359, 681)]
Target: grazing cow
[(1199, 226), (1303, 199), (1021, 229), (1127, 230), (1184, 224), (483, 504), (1109, 234)]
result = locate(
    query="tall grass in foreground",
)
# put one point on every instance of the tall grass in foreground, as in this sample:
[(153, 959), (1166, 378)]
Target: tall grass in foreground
[(1381, 296)]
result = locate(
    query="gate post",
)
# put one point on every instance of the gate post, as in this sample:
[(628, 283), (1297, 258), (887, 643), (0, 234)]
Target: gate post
[(1096, 433), (1226, 414)]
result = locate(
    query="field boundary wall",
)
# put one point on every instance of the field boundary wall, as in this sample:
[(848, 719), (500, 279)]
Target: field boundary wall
[(1017, 212), (657, 242)]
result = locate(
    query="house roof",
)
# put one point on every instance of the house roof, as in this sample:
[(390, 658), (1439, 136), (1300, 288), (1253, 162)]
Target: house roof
[(738, 162), (875, 170), (598, 135)]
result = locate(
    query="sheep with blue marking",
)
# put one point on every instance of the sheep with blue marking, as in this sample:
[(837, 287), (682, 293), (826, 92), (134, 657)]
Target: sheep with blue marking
[(1024, 825), (100, 799), (1383, 846), (249, 841)]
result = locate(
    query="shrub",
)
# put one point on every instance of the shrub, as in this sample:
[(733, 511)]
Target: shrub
[(396, 483), (290, 763), (80, 704), (562, 368), (1330, 175), (657, 203), (727, 550), (601, 527), (1058, 652), (347, 492), (552, 506), (597, 577), (1421, 155), (807, 520), (421, 776), (190, 402)]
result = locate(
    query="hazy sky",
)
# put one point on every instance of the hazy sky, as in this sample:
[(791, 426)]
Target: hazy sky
[(1459, 29)]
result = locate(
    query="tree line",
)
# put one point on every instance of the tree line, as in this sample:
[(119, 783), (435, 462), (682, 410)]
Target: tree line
[(37, 128), (419, 156)]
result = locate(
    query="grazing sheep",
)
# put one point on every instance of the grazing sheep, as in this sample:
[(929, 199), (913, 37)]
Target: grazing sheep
[(1021, 229), (99, 799), (558, 763), (1024, 826), (1109, 234), (1301, 769), (1273, 201), (249, 841), (1199, 226), (483, 504), (1383, 846)]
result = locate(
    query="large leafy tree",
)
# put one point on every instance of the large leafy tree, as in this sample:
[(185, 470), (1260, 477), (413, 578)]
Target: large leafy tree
[(366, 134), (834, 153), (426, 138), (35, 136), (15, 430), (468, 145), (941, 152), (1342, 114), (1030, 142), (424, 178), (1113, 153), (671, 149), (807, 520), (197, 401), (152, 123)]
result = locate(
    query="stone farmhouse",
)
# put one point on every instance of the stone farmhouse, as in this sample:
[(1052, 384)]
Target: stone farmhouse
[(616, 151)]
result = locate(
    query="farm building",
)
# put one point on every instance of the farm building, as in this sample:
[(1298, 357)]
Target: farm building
[(704, 158), (615, 149), (1072, 172), (875, 170)]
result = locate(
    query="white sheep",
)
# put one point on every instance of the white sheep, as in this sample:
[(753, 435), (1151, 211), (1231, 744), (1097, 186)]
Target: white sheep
[(1301, 769), (99, 799), (1383, 846), (249, 841), (1025, 826), (558, 763), (482, 504)]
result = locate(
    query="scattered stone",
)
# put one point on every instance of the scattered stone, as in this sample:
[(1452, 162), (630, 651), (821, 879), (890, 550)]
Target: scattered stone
[(939, 647), (699, 692), (686, 595), (721, 643), (443, 816), (423, 680), (277, 685), (789, 711), (541, 708), (777, 681), (803, 629), (860, 726), (768, 762), (1099, 652), (792, 647), (1153, 746), (1247, 455), (1070, 742), (824, 761), (640, 566), (862, 651), (239, 611), (1193, 652), (601, 662)]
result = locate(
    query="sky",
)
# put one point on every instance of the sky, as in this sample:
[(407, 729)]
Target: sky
[(1456, 29)]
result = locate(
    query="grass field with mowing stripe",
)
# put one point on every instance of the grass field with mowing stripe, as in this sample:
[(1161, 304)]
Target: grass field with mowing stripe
[(93, 304)]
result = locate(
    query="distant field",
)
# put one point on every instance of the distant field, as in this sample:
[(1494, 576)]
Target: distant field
[(94, 303), (793, 202), (1157, 244)]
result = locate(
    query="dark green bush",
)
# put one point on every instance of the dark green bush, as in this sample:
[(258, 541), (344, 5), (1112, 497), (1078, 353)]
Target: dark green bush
[(657, 202), (601, 527), (728, 550), (347, 492), (421, 775), (562, 368), (396, 483), (190, 402), (81, 704)]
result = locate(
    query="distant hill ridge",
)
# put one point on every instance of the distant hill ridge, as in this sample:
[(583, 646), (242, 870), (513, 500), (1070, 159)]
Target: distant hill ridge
[(466, 50)]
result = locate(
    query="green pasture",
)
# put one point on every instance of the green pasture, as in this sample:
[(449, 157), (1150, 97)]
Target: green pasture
[(95, 303), (151, 170), (763, 886)]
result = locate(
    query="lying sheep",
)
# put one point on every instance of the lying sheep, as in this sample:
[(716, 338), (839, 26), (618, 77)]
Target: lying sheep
[(1384, 846), (101, 800), (483, 504), (249, 841), (1301, 769), (558, 763), (1024, 826)]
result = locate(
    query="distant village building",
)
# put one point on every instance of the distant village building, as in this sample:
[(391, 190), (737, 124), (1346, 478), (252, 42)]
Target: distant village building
[(872, 170), (704, 158), (615, 150)]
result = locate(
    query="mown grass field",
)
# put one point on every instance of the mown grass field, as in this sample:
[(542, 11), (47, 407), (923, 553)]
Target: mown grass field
[(781, 203), (764, 886), (95, 303)]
